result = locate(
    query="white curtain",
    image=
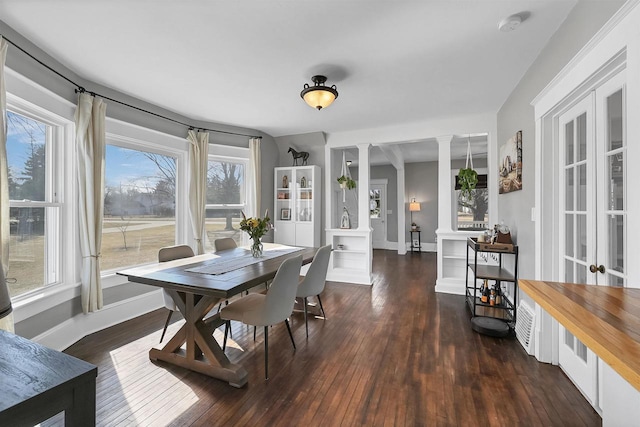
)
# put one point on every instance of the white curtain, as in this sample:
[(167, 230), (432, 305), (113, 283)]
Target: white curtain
[(90, 153), (254, 189), (6, 322), (198, 161)]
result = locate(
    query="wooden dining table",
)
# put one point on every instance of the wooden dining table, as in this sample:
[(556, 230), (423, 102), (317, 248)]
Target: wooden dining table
[(197, 292)]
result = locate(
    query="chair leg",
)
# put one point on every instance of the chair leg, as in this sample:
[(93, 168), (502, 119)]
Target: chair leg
[(166, 325), (254, 333), (266, 352), (306, 323), (321, 308), (227, 325), (286, 322)]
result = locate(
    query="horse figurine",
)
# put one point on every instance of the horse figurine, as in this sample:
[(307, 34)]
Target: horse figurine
[(298, 155)]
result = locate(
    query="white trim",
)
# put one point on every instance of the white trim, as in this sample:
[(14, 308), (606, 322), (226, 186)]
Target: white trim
[(72, 330), (228, 151), (575, 62)]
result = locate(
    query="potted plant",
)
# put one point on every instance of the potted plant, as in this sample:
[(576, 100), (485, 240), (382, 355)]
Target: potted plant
[(468, 179), (346, 182)]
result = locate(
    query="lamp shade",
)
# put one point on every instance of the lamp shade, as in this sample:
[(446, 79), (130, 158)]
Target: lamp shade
[(414, 206), (319, 96), (5, 299)]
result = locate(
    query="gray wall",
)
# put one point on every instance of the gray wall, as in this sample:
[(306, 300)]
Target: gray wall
[(517, 114), (421, 182)]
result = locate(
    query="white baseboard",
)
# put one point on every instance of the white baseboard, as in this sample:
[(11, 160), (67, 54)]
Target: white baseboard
[(424, 247), (71, 331), (450, 286)]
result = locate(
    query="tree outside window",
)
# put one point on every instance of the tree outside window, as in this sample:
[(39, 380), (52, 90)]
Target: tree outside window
[(226, 198), (27, 160)]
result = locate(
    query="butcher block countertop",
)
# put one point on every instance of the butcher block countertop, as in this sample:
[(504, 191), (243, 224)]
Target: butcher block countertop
[(605, 319)]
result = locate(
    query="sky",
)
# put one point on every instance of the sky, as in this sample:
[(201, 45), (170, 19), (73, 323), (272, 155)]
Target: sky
[(124, 167)]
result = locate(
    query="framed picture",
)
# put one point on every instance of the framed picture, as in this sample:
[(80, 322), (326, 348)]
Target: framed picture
[(510, 166), (285, 214)]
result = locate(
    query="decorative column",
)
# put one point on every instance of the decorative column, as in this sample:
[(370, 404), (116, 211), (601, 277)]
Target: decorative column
[(445, 189), (364, 178)]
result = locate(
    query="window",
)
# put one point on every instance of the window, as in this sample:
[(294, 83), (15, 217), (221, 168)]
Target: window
[(33, 209), (226, 198), (473, 212), (139, 206)]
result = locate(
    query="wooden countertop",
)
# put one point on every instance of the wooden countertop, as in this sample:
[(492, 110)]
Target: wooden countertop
[(605, 319)]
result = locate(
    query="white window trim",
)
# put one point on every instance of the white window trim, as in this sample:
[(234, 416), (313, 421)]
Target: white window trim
[(59, 184), (162, 144), (234, 155)]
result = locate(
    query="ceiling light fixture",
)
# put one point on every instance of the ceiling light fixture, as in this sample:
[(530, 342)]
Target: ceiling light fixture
[(319, 96), (510, 23)]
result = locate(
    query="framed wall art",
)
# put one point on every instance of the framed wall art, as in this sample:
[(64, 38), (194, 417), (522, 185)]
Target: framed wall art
[(510, 165)]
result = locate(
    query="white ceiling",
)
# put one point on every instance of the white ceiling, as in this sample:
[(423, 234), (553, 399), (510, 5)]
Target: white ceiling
[(244, 63)]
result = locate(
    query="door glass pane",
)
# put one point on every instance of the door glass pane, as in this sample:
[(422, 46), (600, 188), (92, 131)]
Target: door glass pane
[(581, 137), (614, 121), (568, 271), (581, 241), (615, 281), (568, 339), (569, 188), (616, 242), (582, 188), (374, 204), (581, 273), (569, 235), (569, 143), (581, 350), (616, 181)]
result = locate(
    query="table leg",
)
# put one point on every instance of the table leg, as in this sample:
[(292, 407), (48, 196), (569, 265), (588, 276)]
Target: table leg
[(83, 409), (203, 353)]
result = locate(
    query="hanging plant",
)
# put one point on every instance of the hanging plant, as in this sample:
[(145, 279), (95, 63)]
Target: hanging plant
[(468, 179), (467, 176), (346, 182)]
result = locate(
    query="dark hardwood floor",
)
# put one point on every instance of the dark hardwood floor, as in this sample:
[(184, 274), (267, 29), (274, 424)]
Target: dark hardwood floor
[(393, 354)]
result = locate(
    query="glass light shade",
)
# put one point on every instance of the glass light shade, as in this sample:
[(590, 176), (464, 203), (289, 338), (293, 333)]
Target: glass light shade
[(414, 207), (319, 98)]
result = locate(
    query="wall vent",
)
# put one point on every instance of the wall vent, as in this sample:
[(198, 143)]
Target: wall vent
[(524, 326)]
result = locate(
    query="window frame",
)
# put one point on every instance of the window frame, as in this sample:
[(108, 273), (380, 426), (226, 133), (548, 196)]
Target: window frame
[(143, 143), (236, 155), (59, 137)]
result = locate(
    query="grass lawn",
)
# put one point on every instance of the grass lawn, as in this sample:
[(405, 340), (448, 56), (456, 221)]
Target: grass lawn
[(26, 256)]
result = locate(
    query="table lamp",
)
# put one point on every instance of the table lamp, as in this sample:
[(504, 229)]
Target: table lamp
[(5, 299), (413, 207)]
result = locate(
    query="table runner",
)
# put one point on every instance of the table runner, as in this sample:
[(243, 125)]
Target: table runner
[(226, 264)]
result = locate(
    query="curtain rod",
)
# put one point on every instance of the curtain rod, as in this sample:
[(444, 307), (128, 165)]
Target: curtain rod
[(80, 89)]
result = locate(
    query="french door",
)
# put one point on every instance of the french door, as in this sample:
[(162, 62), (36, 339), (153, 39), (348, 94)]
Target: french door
[(592, 210)]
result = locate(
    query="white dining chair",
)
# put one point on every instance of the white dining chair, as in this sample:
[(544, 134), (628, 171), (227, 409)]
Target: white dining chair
[(313, 283), (170, 253), (224, 243), (267, 309)]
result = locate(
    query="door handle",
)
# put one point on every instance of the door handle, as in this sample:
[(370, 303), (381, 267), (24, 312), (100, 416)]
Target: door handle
[(594, 269)]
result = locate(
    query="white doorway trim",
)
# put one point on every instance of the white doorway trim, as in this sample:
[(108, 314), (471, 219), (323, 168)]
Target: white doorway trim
[(384, 243)]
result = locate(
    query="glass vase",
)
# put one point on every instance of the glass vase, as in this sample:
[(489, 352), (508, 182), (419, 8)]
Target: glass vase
[(256, 247)]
